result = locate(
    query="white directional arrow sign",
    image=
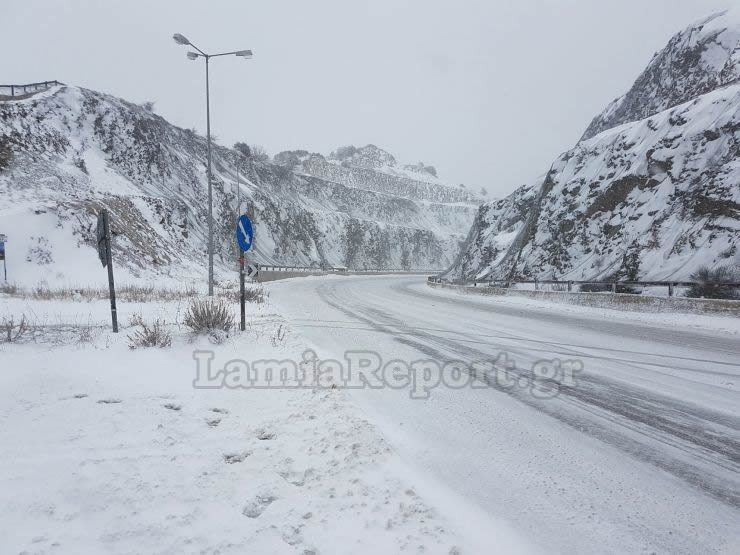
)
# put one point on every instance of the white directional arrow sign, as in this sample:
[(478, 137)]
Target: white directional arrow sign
[(252, 270)]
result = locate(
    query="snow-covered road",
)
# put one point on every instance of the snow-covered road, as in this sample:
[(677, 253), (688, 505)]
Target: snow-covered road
[(640, 453)]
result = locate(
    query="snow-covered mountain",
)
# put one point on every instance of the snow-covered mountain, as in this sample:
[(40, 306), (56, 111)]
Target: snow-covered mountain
[(67, 152), (652, 191), (698, 60)]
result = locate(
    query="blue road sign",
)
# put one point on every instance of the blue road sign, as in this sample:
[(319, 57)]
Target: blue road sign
[(244, 233)]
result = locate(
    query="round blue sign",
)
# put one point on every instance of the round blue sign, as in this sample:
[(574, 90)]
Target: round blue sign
[(244, 233)]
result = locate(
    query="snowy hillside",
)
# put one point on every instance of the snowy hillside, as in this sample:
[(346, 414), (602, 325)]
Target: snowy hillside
[(653, 198), (68, 152)]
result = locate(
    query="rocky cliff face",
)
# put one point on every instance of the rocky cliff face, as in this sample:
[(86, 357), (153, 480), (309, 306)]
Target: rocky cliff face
[(68, 152), (702, 58), (651, 192)]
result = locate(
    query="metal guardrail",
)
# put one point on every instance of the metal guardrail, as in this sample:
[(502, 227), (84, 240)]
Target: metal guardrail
[(611, 286), (342, 270), (22, 90)]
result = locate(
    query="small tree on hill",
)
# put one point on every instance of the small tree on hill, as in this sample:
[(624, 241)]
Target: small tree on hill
[(243, 149)]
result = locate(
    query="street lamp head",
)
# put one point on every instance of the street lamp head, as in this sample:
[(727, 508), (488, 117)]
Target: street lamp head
[(193, 56), (180, 39), (246, 54)]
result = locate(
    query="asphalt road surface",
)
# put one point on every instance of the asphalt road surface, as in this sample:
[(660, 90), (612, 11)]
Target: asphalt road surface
[(637, 452)]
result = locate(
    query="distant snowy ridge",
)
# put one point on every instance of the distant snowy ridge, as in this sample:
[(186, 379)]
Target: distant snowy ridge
[(653, 198), (70, 151), (374, 169)]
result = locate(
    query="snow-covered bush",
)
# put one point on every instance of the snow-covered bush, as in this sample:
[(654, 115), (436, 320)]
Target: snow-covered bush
[(154, 335), (704, 289), (207, 315)]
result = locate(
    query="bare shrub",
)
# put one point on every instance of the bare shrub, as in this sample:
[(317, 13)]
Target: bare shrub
[(154, 335), (704, 289), (204, 316), (14, 331), (135, 319), (9, 288), (279, 336), (136, 293), (257, 294)]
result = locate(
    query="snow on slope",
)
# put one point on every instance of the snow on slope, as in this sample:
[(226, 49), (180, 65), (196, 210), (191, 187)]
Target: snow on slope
[(494, 231), (650, 199), (76, 151)]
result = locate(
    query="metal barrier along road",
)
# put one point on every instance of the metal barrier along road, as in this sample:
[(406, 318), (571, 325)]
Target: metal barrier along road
[(612, 286), (342, 270)]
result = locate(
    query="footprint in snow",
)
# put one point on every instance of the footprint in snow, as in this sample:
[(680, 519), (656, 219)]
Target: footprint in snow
[(109, 401), (213, 422), (79, 396), (258, 505), (296, 478), (219, 411), (264, 435), (173, 406), (233, 458)]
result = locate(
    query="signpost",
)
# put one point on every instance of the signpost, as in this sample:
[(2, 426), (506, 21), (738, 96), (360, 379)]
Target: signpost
[(3, 240), (244, 236), (106, 259)]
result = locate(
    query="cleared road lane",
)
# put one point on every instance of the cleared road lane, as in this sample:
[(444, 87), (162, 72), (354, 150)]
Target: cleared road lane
[(641, 452)]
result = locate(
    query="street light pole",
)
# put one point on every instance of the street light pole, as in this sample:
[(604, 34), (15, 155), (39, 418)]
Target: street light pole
[(180, 39), (210, 186)]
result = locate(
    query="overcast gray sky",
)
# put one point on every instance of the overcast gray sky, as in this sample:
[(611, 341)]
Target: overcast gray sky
[(490, 92)]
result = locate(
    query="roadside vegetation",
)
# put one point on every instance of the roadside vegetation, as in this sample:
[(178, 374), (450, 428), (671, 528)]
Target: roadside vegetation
[(705, 289), (30, 315)]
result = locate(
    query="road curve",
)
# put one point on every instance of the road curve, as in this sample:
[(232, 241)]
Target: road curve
[(640, 453)]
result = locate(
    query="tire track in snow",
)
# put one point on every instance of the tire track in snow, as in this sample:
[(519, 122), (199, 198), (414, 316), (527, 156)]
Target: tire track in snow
[(699, 446)]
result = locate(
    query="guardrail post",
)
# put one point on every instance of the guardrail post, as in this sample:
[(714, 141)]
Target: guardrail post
[(614, 287), (670, 289), (12, 90), (570, 286), (536, 287)]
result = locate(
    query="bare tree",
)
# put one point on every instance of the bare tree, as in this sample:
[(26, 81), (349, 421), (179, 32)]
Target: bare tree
[(259, 153)]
